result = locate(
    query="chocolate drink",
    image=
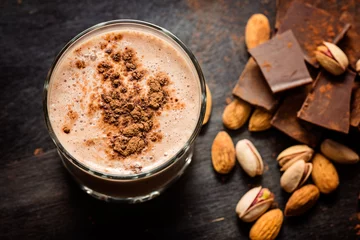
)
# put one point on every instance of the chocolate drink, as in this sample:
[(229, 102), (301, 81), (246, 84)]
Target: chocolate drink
[(122, 101)]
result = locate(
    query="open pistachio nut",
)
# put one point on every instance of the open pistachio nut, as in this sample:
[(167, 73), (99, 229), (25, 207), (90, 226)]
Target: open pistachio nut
[(332, 58), (249, 158), (254, 203), (295, 176), (293, 154)]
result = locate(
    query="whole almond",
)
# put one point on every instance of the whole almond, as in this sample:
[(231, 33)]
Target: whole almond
[(302, 200), (268, 226), (223, 153), (338, 152), (208, 105), (260, 120), (324, 174), (257, 30), (236, 114)]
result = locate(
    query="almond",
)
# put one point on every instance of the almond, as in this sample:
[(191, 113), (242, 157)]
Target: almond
[(338, 152), (257, 30), (236, 114), (208, 105), (260, 120), (223, 153), (268, 226), (324, 174), (302, 200)]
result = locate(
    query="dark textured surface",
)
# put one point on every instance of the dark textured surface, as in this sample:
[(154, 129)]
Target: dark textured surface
[(38, 199)]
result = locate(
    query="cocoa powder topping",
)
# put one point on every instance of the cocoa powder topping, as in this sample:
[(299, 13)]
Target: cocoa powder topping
[(131, 111)]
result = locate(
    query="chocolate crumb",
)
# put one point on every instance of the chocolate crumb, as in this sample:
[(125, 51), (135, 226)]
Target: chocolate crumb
[(66, 130), (116, 57), (80, 64), (108, 51), (130, 66), (89, 142), (137, 75), (103, 66), (127, 55), (38, 151)]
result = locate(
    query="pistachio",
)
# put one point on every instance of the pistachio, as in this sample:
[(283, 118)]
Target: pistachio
[(338, 152), (249, 158), (332, 58), (293, 154), (254, 203), (295, 176)]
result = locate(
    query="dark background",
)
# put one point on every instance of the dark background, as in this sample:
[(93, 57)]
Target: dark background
[(38, 198)]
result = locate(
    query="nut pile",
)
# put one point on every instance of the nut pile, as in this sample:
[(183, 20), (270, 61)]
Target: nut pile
[(297, 162)]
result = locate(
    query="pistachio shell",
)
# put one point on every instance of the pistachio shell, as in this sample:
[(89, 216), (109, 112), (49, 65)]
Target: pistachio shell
[(247, 200), (338, 54), (249, 158), (307, 173), (257, 210), (249, 213), (338, 152), (335, 61), (295, 176), (293, 154)]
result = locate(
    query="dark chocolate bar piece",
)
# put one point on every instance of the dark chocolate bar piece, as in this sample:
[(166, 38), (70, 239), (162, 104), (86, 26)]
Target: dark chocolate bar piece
[(285, 118), (311, 26), (328, 104), (253, 88), (355, 107), (345, 11), (282, 63)]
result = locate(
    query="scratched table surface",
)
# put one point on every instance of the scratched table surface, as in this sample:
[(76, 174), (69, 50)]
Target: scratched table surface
[(39, 199)]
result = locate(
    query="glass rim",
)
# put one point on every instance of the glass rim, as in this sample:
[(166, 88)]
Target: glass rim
[(168, 162)]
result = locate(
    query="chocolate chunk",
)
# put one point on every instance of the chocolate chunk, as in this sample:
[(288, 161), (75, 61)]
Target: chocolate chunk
[(281, 61), (343, 10), (328, 104), (310, 25), (253, 88), (355, 108), (285, 118)]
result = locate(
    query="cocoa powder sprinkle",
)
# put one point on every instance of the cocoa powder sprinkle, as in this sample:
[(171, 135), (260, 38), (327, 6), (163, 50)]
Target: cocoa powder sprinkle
[(131, 111)]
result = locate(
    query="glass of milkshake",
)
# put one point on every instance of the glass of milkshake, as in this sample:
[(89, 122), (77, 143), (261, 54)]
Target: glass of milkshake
[(124, 102)]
